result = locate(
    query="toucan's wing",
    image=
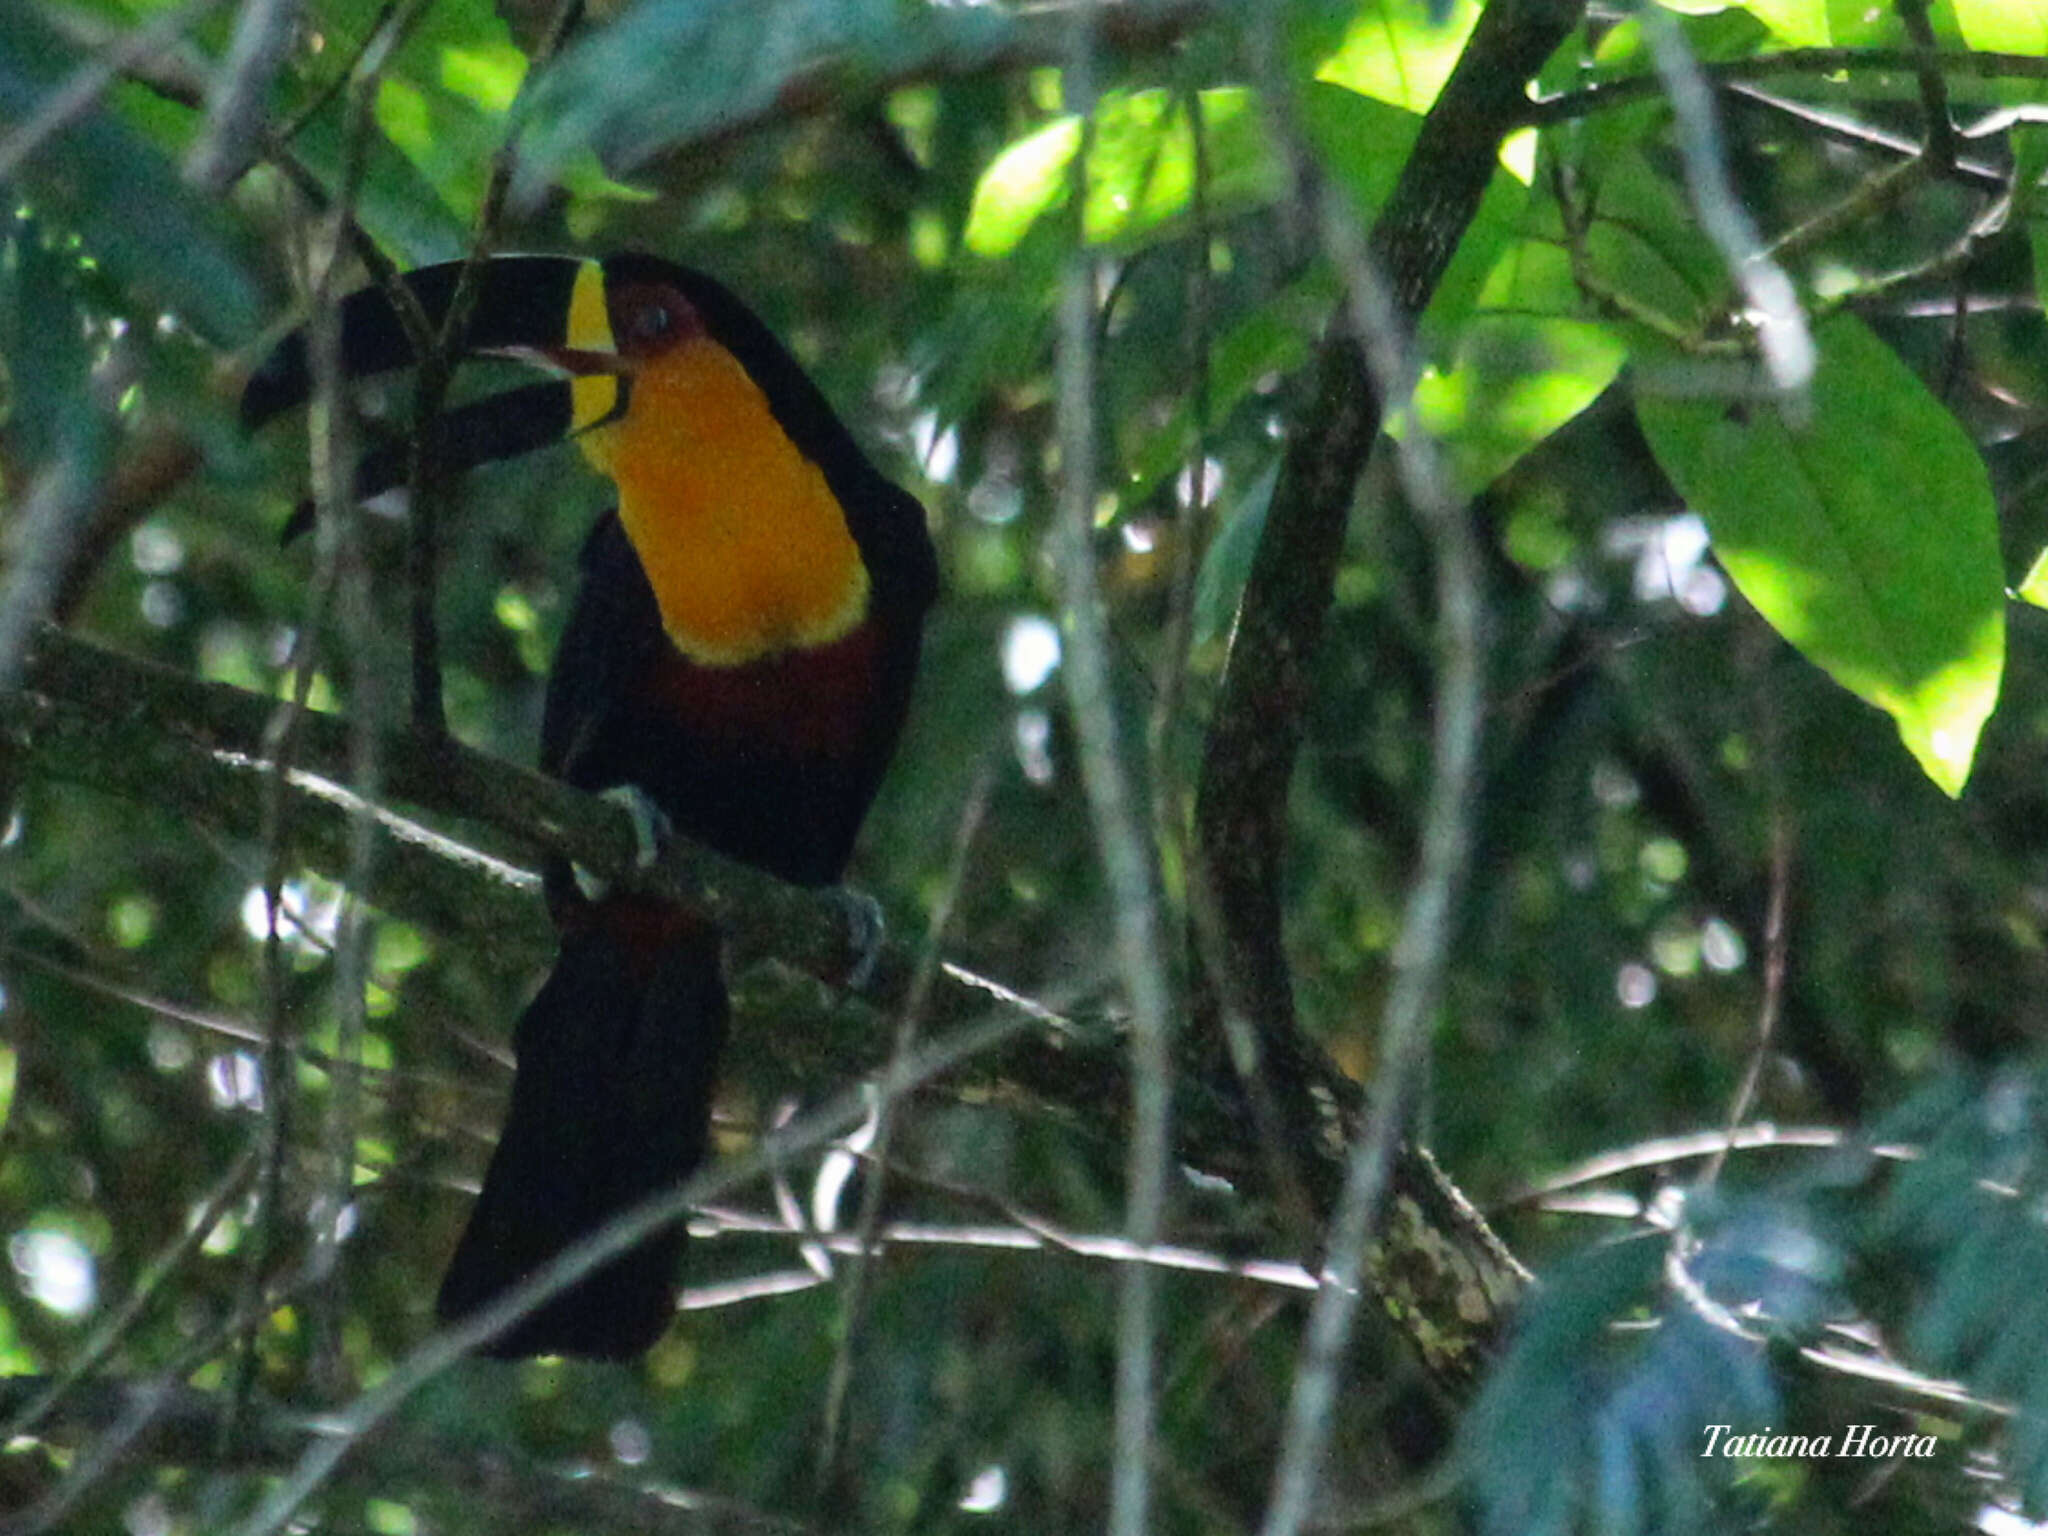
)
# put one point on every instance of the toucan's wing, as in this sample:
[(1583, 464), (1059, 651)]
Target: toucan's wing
[(522, 301), (603, 650)]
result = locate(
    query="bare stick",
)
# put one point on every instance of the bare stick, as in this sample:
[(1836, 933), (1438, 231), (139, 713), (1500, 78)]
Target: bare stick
[(1120, 829), (341, 1432), (1422, 954), (237, 108), (832, 1489)]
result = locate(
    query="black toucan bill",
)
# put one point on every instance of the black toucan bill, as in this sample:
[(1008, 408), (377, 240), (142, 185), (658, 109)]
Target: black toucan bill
[(740, 651)]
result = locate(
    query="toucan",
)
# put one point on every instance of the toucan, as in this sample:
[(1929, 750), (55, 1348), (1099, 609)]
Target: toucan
[(739, 655)]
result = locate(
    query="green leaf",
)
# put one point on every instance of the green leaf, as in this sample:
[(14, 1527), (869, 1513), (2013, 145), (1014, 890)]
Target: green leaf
[(1955, 1214), (1644, 245), (1141, 172), (42, 343), (1363, 143), (670, 72), (122, 198), (1793, 23), (2003, 26), (1865, 534), (1523, 367), (1273, 339), (2034, 589), (1227, 563), (1584, 1427), (1027, 179), (1397, 53)]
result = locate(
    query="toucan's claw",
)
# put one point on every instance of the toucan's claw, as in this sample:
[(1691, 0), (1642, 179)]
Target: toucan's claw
[(865, 932), (653, 830)]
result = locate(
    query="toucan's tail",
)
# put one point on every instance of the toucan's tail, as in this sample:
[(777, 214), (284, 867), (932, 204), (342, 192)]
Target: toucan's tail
[(611, 1103)]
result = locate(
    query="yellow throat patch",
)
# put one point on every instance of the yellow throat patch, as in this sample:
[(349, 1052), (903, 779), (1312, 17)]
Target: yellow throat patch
[(743, 542)]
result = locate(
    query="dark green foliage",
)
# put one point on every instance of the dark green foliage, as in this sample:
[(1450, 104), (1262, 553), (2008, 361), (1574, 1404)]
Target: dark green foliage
[(1964, 1212), (1668, 756)]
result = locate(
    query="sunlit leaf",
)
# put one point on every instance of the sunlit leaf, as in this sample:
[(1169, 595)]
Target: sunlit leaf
[(1795, 23), (2004, 26), (1397, 53), (1866, 535), (2033, 588), (1856, 24), (1518, 374), (1363, 144), (1027, 179), (1141, 171)]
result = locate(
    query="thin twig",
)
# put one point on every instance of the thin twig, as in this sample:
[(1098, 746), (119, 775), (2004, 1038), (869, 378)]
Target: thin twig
[(1774, 990), (1782, 336), (497, 1487), (338, 548), (238, 105), (226, 1028), (1940, 151), (1607, 94), (832, 1489), (143, 1406), (77, 97), (428, 485), (1422, 954), (373, 37), (1950, 262), (1190, 536), (199, 1226), (342, 1432), (1128, 860), (1857, 134), (1664, 1151), (331, 469), (1024, 1234)]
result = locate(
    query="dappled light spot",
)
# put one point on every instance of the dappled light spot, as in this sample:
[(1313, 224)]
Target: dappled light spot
[(1031, 653), (56, 1269), (1636, 985), (986, 1492), (1034, 746)]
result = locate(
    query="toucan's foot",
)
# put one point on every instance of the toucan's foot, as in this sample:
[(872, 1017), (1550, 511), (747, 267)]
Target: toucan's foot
[(652, 829), (865, 931), (652, 832)]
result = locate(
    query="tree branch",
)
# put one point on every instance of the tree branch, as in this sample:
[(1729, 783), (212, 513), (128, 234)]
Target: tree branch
[(183, 1430), (1255, 736), (146, 733), (1601, 95)]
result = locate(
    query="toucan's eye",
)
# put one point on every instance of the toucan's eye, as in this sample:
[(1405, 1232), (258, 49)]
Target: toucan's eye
[(649, 323)]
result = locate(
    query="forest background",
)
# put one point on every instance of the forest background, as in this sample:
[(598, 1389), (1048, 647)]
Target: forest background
[(1490, 565)]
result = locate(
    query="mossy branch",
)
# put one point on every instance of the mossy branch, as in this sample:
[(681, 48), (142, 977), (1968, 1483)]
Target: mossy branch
[(460, 859)]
